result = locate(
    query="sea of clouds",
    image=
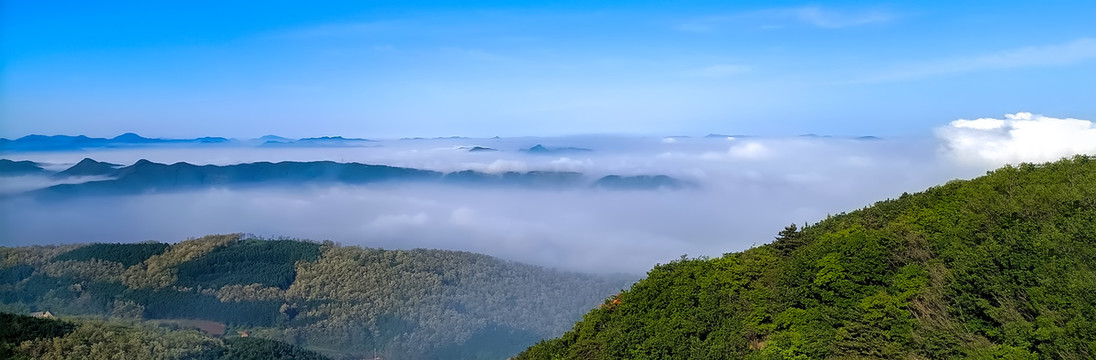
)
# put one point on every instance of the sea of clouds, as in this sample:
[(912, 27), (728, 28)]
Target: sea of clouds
[(748, 189)]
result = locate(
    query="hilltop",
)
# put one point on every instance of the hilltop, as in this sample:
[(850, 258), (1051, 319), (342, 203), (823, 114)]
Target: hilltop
[(89, 167), (12, 168), (998, 267)]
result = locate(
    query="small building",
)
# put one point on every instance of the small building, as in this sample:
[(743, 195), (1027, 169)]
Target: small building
[(42, 314), (244, 333)]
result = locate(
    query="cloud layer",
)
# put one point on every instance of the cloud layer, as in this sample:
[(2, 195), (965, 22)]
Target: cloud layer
[(1020, 137), (748, 189)]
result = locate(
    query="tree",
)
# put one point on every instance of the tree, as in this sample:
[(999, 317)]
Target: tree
[(788, 240)]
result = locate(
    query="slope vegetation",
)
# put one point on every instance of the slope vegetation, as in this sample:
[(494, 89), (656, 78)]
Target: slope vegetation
[(998, 267), (26, 337), (343, 301)]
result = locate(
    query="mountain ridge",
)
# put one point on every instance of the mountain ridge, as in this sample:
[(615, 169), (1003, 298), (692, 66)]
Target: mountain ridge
[(147, 176), (23, 167), (36, 142)]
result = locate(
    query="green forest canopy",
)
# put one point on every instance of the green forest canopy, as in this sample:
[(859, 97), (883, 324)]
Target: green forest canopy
[(27, 337), (998, 267), (346, 301)]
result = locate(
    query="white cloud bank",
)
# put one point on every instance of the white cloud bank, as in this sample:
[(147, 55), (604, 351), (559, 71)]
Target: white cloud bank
[(1020, 137)]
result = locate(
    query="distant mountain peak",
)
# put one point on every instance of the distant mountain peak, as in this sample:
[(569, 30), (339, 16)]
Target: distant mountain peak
[(88, 161), (88, 167), (541, 149), (131, 138), (212, 140), (274, 138)]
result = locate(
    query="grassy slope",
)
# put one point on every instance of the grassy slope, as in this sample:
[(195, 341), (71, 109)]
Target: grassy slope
[(1002, 266)]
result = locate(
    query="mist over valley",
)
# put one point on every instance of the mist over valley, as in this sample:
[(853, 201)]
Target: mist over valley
[(719, 193)]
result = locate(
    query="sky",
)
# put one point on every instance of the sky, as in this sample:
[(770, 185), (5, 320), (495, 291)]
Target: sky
[(390, 69)]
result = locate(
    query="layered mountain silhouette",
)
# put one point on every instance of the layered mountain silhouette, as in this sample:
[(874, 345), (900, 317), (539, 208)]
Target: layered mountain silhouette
[(66, 142), (131, 140), (146, 176)]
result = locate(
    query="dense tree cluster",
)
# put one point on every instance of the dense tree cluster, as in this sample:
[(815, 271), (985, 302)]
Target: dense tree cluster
[(125, 254), (998, 267), (250, 348), (19, 328), (26, 337), (348, 301), (160, 271), (252, 261)]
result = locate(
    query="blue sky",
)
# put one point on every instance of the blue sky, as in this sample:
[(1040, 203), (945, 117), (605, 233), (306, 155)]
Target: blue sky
[(509, 68)]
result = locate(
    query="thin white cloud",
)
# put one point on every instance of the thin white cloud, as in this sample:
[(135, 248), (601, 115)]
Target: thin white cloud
[(1073, 52), (1020, 137), (769, 19), (826, 18)]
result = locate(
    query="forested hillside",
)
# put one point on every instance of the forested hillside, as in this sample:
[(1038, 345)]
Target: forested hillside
[(341, 301), (26, 337), (998, 267)]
